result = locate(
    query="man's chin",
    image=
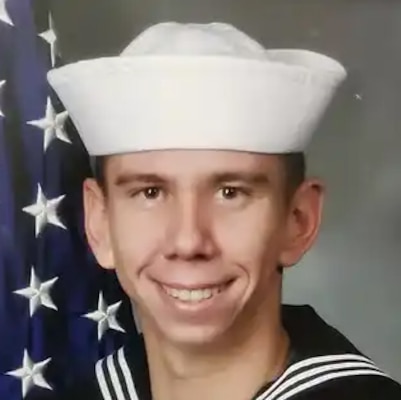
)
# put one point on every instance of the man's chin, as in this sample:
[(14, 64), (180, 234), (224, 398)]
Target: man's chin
[(195, 338)]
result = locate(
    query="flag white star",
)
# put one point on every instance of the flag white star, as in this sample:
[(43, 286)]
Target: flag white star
[(38, 293), (2, 83), (31, 374), (105, 316), (50, 37), (52, 125), (4, 16), (45, 211)]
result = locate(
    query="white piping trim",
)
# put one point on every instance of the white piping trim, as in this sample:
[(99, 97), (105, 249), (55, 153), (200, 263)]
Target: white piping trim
[(114, 378), (328, 377), (127, 375), (102, 381), (310, 373), (310, 361)]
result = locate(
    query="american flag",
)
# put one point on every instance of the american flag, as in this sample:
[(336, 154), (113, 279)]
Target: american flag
[(59, 311)]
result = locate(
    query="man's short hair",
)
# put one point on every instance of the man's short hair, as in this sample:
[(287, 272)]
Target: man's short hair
[(295, 171)]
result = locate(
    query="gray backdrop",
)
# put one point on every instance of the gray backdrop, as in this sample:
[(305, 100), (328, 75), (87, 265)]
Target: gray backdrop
[(353, 275)]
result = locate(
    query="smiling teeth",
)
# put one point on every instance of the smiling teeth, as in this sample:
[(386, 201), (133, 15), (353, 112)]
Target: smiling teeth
[(193, 295)]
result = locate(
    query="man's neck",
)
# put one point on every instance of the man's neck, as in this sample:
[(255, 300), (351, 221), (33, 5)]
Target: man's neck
[(229, 372)]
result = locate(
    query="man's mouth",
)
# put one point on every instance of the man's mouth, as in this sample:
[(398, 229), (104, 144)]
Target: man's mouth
[(194, 295)]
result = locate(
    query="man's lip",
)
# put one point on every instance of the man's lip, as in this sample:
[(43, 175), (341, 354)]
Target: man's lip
[(194, 286)]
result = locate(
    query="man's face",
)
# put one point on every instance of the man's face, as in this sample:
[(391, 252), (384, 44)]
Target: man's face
[(196, 237)]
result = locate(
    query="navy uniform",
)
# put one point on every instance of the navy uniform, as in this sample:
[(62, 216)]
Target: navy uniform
[(211, 86), (322, 365)]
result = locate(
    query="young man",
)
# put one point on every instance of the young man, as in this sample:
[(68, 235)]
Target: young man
[(199, 203)]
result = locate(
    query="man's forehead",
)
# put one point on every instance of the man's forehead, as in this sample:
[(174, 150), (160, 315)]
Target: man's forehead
[(191, 161)]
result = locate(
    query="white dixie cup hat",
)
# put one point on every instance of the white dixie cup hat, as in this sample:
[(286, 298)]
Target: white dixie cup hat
[(198, 86)]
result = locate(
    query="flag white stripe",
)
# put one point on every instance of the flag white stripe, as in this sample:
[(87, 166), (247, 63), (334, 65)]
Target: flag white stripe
[(114, 379), (127, 375), (310, 373), (310, 361), (328, 377), (102, 381)]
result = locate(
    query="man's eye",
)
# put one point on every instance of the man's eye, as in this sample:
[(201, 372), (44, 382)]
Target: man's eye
[(232, 192), (151, 193)]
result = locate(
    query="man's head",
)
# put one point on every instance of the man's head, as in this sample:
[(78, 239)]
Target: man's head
[(197, 222), (200, 196)]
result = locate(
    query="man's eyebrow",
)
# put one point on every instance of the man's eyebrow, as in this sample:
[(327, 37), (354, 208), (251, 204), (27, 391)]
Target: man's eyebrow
[(130, 177), (217, 178), (256, 178)]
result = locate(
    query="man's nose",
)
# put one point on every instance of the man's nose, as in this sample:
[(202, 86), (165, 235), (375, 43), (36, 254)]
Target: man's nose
[(190, 235)]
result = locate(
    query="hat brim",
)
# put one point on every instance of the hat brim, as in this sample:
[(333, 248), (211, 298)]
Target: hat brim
[(126, 104)]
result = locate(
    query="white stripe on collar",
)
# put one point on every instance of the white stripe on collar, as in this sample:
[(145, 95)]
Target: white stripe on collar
[(108, 366), (115, 379), (104, 389), (328, 377), (309, 368), (127, 375)]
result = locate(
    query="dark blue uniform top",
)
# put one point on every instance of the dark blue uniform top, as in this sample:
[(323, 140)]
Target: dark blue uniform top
[(323, 365)]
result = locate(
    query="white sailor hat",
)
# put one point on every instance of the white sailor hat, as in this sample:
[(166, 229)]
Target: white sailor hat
[(198, 86)]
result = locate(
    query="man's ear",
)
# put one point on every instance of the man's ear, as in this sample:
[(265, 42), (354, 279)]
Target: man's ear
[(97, 224), (303, 221)]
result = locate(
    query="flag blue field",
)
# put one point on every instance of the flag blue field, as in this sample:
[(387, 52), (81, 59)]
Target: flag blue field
[(59, 311)]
